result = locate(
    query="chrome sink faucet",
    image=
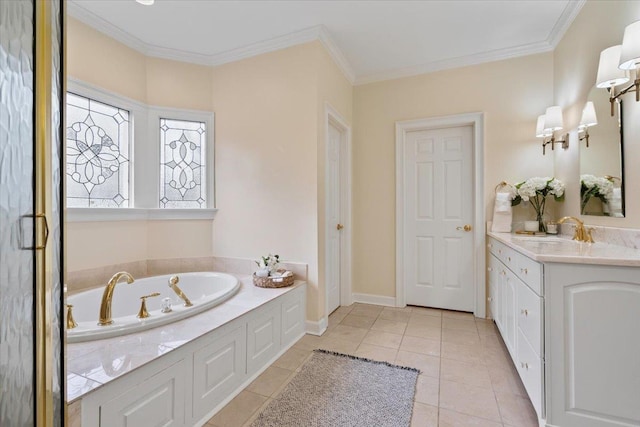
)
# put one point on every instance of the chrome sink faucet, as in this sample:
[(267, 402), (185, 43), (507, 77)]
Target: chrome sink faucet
[(107, 296), (581, 233)]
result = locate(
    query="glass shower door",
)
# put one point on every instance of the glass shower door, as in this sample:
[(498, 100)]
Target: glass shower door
[(31, 371)]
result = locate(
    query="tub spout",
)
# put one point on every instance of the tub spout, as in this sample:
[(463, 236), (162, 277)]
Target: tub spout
[(173, 284), (107, 296)]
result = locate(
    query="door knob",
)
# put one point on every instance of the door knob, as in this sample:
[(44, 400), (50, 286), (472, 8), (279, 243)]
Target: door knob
[(339, 227), (467, 227)]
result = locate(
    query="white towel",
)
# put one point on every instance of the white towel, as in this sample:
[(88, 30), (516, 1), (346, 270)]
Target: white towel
[(502, 213), (615, 204)]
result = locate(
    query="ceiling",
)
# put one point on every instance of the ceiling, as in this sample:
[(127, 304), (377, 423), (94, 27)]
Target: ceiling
[(369, 40)]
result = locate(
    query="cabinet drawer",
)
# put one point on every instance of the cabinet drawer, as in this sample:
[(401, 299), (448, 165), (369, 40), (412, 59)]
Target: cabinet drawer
[(502, 252), (530, 368), (530, 272), (529, 312)]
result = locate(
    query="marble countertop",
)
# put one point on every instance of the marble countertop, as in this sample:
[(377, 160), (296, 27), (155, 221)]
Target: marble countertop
[(565, 250), (92, 364)]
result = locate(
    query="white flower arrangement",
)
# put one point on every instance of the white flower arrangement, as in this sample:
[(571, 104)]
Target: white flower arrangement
[(267, 265), (535, 190), (594, 186)]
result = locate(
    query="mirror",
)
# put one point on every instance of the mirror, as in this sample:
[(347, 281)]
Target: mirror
[(601, 161)]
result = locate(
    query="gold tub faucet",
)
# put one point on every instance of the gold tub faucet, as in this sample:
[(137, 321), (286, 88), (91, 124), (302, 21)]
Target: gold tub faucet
[(107, 296), (581, 234), (173, 284)]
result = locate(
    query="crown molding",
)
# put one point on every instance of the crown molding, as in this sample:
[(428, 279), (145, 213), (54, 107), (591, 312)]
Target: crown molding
[(336, 54), (569, 13), (321, 34), (563, 23), (306, 35), (462, 61)]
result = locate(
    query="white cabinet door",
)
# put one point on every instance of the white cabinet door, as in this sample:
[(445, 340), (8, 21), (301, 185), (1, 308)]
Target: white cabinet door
[(156, 402), (263, 337), (218, 369), (510, 319), (494, 288), (593, 345), (293, 317)]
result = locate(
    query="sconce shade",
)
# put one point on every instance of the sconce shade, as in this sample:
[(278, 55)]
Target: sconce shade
[(630, 55), (540, 132), (609, 75), (553, 119), (588, 116)]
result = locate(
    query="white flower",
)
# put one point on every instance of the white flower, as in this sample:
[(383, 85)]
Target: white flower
[(604, 186), (557, 187), (540, 186)]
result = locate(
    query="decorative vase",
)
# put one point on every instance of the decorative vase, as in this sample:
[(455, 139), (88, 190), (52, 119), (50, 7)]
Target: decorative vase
[(542, 225)]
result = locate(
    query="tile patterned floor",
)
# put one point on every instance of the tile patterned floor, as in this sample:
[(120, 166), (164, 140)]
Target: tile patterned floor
[(467, 376)]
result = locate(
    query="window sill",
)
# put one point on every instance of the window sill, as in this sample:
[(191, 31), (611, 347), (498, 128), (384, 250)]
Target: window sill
[(137, 214)]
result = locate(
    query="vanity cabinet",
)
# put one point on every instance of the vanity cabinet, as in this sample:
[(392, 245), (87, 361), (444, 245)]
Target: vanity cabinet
[(576, 345), (515, 300), (593, 352)]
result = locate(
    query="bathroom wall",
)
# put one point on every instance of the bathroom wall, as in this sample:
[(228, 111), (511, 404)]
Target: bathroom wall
[(101, 61), (266, 159), (269, 148), (599, 25), (270, 157), (511, 93)]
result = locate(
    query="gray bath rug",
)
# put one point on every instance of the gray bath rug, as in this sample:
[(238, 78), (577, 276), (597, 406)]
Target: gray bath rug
[(337, 390)]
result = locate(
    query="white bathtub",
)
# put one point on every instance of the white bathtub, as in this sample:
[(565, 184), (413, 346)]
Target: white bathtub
[(205, 290)]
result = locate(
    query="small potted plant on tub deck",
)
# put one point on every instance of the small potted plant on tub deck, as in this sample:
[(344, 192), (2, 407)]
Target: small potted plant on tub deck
[(269, 275)]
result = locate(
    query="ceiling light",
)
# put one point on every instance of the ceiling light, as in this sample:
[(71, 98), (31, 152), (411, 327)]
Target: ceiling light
[(146, 2)]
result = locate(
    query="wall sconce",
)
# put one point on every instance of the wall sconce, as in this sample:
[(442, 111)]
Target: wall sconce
[(617, 62), (588, 119), (546, 126)]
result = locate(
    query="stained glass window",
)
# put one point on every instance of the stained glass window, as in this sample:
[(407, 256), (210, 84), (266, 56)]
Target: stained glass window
[(97, 156), (182, 164)]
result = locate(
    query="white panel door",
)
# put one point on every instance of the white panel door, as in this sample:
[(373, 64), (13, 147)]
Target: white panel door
[(333, 217), (438, 261)]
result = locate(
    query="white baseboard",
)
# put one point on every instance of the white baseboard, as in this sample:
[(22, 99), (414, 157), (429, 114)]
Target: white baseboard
[(375, 299), (316, 327)]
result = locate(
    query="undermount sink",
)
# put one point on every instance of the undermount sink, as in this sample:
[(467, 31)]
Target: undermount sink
[(545, 239)]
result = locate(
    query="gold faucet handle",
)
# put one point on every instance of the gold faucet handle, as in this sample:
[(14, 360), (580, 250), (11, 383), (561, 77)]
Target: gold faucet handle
[(71, 323), (589, 237), (143, 313)]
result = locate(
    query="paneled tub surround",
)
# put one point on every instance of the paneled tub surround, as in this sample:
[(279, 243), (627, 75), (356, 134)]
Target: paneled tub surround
[(184, 371), (568, 313)]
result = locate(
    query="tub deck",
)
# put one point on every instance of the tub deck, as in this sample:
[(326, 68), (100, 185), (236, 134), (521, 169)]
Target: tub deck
[(92, 364)]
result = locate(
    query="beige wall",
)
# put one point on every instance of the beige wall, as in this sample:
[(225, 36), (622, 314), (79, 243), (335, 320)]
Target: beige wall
[(335, 90), (155, 82), (269, 147), (511, 93), (266, 159), (270, 143), (599, 24), (270, 157)]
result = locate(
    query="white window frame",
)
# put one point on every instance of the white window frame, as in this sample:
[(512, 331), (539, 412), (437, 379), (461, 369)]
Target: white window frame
[(144, 169), (157, 113)]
